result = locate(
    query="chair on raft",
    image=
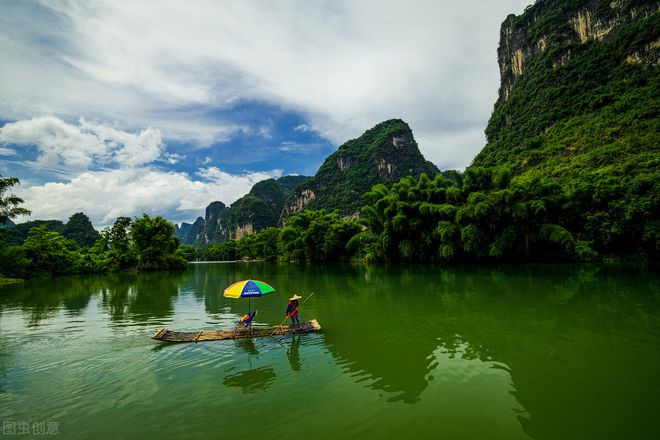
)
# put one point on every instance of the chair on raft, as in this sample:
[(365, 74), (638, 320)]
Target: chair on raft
[(245, 322)]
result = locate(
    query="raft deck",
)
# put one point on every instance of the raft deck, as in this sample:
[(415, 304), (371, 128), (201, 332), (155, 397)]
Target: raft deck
[(164, 334)]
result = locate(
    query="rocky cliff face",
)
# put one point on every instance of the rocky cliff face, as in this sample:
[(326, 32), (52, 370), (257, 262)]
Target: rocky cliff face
[(195, 235), (576, 77), (181, 231), (382, 154), (254, 212), (558, 27), (261, 208), (216, 227), (210, 229)]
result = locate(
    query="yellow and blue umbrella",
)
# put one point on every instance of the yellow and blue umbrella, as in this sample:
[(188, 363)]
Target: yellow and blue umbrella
[(248, 289)]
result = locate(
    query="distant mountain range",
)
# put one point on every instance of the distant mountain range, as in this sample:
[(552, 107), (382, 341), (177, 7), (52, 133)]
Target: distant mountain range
[(255, 211), (383, 154)]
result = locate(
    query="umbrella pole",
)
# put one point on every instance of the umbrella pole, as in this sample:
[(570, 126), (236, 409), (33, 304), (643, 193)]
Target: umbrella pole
[(249, 306)]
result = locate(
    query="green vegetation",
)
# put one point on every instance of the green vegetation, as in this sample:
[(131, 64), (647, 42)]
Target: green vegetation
[(308, 236), (12, 258), (250, 210), (79, 229), (10, 280), (583, 118), (225, 251), (595, 113), (482, 214), (51, 248), (487, 215), (155, 244), (316, 236)]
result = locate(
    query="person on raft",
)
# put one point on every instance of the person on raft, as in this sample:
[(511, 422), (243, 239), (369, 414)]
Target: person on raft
[(292, 311)]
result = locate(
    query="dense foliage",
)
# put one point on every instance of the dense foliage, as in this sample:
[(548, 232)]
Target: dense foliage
[(316, 236), (308, 236), (155, 243), (145, 244), (79, 229), (250, 210), (17, 234), (482, 214), (487, 215)]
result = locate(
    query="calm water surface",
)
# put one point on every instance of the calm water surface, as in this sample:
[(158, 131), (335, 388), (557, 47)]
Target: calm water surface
[(541, 352)]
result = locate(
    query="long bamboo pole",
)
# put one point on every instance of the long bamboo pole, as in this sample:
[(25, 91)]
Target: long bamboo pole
[(288, 315)]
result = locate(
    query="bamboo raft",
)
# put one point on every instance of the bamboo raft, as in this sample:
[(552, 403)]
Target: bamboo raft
[(164, 334)]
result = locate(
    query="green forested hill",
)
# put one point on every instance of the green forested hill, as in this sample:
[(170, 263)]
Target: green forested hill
[(262, 206), (579, 106), (79, 229), (571, 169), (579, 94), (385, 153)]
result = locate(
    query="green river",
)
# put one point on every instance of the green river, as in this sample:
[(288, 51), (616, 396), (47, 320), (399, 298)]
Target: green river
[(469, 352)]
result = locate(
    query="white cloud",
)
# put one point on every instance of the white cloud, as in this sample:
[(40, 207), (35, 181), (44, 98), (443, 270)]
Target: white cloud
[(265, 132), (80, 146), (345, 65), (299, 147), (134, 191), (7, 152), (453, 148), (173, 158)]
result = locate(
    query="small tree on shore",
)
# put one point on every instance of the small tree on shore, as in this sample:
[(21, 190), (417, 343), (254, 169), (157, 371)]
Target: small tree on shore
[(10, 203), (155, 243)]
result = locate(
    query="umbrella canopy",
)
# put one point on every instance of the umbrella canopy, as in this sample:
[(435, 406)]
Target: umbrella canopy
[(248, 289)]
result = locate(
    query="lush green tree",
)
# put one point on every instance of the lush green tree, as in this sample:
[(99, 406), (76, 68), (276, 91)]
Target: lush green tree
[(260, 246), (155, 243), (316, 236), (49, 253), (98, 258), (484, 214), (186, 252), (225, 251), (118, 240), (9, 203), (13, 262), (18, 233)]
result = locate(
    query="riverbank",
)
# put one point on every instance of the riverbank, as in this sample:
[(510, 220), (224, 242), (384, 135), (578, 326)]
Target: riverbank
[(4, 281)]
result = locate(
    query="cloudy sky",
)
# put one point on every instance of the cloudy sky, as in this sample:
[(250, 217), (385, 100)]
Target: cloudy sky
[(123, 107)]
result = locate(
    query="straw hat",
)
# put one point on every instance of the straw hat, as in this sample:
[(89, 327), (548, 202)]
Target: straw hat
[(294, 297)]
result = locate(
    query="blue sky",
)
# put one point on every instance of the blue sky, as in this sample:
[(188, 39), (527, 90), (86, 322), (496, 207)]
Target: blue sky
[(119, 108)]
